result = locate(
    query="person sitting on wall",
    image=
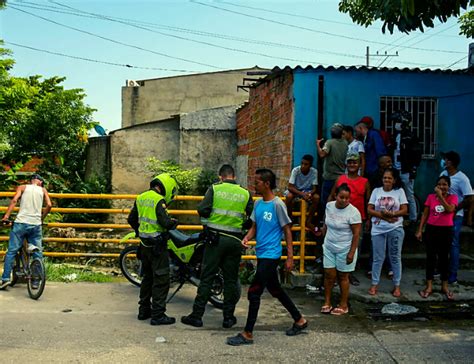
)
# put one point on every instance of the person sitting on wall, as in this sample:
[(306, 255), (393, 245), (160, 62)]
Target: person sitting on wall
[(303, 184)]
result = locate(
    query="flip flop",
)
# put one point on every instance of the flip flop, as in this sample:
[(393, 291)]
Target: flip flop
[(448, 295), (339, 311), (372, 291), (296, 329), (425, 294), (396, 294), (238, 340), (326, 309)]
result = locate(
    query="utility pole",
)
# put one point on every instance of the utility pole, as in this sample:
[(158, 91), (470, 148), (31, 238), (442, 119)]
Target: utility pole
[(385, 54)]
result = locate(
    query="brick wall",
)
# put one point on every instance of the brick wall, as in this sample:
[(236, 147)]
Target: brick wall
[(265, 129)]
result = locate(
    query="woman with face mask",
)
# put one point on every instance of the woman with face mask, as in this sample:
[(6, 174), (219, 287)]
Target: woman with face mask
[(438, 221)]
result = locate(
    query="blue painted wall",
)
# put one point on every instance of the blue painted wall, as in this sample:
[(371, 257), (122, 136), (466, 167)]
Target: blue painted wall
[(351, 94)]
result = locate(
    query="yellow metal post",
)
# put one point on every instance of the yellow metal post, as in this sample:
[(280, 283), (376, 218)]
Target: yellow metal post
[(302, 234)]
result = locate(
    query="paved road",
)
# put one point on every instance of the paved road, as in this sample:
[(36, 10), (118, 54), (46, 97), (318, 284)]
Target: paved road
[(96, 323)]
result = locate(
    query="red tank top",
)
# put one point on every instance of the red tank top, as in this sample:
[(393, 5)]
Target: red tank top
[(357, 187)]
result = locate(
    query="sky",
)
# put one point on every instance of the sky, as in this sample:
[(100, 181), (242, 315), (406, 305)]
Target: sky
[(98, 45)]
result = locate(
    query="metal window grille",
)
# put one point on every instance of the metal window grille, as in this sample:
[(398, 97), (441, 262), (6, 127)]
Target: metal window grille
[(424, 111)]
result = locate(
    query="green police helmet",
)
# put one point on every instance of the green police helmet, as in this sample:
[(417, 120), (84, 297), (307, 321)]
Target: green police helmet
[(167, 184)]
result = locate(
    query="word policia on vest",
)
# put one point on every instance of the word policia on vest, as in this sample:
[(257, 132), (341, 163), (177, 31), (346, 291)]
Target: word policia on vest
[(236, 197)]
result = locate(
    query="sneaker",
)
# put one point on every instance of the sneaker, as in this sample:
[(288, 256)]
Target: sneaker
[(191, 321), (5, 284), (229, 322), (35, 284), (163, 320)]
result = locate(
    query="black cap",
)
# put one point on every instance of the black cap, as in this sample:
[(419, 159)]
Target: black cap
[(36, 176), (452, 156)]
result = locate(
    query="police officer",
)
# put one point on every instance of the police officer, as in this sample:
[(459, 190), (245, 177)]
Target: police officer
[(225, 208), (150, 220)]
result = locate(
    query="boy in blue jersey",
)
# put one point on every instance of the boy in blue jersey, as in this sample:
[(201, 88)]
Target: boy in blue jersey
[(269, 222)]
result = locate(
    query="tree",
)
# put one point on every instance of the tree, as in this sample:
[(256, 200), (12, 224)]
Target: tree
[(38, 117), (409, 15)]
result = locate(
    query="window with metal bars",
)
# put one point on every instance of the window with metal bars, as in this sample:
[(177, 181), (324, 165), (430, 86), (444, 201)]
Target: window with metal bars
[(424, 111)]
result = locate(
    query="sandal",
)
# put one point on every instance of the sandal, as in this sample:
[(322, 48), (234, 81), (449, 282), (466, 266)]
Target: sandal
[(396, 294), (296, 329), (373, 290), (326, 309), (424, 293), (238, 340), (448, 295), (339, 311)]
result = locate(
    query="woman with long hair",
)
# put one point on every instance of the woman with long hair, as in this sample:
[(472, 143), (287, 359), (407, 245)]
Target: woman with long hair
[(438, 220), (387, 206)]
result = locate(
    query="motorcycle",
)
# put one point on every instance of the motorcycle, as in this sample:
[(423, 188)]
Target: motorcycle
[(186, 253)]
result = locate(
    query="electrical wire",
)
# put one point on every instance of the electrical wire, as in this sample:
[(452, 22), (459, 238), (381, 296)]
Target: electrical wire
[(96, 60), (134, 23), (318, 31), (195, 41), (290, 14), (459, 60), (132, 46), (113, 40)]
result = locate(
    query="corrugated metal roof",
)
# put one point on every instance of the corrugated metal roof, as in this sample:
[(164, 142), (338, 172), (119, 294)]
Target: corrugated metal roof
[(465, 71)]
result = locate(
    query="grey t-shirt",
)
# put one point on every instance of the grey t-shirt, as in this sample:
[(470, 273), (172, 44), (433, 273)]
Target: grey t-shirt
[(304, 182), (335, 161)]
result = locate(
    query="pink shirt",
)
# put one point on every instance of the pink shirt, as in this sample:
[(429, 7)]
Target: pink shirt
[(437, 215)]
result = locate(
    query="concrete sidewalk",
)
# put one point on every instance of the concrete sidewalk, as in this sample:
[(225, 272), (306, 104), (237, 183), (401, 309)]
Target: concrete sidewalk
[(413, 280)]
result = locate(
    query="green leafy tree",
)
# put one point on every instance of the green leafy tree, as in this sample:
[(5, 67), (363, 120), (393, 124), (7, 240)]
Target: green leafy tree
[(40, 118), (409, 15)]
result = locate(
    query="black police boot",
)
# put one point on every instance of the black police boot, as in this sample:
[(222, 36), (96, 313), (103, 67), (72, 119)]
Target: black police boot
[(144, 314), (191, 321), (229, 322), (162, 320)]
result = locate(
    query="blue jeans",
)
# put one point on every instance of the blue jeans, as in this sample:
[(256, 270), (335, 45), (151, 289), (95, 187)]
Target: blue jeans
[(408, 187), (18, 233), (455, 250), (393, 241), (326, 191)]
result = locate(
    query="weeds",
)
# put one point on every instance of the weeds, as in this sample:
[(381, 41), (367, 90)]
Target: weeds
[(67, 273)]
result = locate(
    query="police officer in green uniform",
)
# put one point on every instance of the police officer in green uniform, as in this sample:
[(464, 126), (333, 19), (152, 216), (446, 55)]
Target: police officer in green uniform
[(150, 220), (225, 208)]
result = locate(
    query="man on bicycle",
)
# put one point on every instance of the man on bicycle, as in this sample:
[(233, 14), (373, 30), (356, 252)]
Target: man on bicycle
[(27, 222)]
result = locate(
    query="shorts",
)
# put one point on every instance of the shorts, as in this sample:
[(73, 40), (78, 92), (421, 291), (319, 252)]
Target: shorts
[(338, 260), (296, 197)]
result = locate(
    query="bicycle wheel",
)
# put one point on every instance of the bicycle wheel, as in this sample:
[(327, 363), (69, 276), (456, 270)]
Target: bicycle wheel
[(37, 278), (130, 266), (16, 267)]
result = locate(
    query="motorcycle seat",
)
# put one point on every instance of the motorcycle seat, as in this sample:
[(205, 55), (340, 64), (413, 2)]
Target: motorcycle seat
[(181, 239)]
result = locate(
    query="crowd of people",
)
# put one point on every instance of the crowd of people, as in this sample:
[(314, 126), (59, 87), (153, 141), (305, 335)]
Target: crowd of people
[(368, 185)]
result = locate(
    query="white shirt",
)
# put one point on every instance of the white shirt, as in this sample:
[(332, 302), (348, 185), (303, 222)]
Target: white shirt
[(390, 201), (304, 182), (338, 221), (31, 205)]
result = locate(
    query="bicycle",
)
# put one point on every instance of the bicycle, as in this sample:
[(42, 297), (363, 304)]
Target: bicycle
[(28, 269)]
